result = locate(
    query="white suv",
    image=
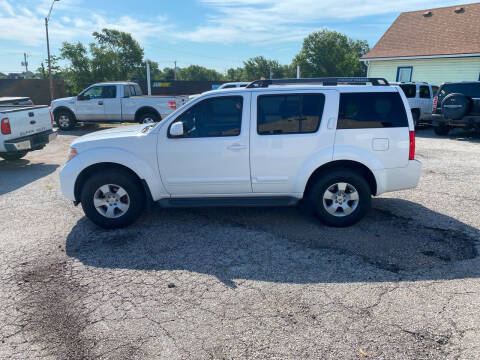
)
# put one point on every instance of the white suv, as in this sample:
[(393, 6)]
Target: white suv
[(334, 145)]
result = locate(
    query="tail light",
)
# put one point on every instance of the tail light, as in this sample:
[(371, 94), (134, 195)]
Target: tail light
[(172, 105), (51, 118), (6, 129), (411, 152), (435, 102)]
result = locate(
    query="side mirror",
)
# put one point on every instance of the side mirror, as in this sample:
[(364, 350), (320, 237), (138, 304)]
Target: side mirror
[(80, 97), (176, 129)]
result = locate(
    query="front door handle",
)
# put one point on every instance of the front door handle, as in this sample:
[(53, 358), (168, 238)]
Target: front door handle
[(236, 147), (100, 102)]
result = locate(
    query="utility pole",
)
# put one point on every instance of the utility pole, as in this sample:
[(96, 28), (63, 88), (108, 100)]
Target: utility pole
[(24, 62), (149, 84), (48, 51), (175, 70)]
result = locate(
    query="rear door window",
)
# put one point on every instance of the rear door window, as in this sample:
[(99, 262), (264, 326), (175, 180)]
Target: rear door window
[(289, 114), (371, 110), (409, 90), (109, 92), (424, 92)]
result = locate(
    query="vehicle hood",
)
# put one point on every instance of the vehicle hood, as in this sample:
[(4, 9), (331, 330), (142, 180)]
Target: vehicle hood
[(63, 100), (110, 135)]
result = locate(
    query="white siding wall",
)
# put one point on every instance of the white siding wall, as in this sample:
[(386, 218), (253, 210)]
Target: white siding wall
[(434, 71)]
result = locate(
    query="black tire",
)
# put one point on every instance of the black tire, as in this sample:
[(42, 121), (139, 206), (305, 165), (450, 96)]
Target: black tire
[(121, 178), (441, 130), (13, 155), (148, 118), (416, 116), (68, 121), (327, 181)]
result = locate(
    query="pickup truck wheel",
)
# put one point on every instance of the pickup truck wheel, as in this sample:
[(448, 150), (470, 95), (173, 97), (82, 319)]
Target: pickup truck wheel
[(441, 130), (112, 199), (148, 118), (340, 198), (13, 155), (64, 120)]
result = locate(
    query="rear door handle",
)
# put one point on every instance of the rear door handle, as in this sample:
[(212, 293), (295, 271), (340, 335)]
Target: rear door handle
[(100, 102), (236, 147)]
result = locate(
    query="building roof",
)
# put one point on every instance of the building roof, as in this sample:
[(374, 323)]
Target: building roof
[(442, 31)]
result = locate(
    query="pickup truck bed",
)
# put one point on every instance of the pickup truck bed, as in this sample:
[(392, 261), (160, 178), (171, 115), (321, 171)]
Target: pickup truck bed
[(24, 129)]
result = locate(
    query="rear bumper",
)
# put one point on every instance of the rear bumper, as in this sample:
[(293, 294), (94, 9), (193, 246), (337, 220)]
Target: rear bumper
[(472, 120), (399, 178), (30, 142)]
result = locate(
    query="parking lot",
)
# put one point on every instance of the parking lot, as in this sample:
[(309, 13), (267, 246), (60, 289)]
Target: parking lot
[(246, 282)]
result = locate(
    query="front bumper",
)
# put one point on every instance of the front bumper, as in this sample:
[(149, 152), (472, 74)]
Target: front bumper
[(30, 142)]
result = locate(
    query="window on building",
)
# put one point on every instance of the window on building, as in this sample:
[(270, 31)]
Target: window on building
[(404, 74)]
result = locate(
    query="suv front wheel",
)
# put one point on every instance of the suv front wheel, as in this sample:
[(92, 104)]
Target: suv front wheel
[(340, 198), (113, 199)]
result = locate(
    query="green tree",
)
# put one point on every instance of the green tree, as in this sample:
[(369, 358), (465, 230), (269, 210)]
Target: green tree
[(329, 53), (78, 74), (235, 74), (256, 67), (198, 73), (116, 55)]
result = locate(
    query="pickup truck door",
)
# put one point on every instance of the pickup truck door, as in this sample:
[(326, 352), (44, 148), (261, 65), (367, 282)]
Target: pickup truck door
[(287, 130), (212, 157), (90, 105), (112, 102)]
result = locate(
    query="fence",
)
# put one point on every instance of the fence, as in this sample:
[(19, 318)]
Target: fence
[(37, 89)]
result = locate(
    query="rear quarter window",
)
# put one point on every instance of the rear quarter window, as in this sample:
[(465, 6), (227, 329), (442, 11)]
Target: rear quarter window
[(409, 90), (371, 110)]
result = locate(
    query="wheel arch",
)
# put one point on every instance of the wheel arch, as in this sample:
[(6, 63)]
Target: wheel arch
[(105, 166), (337, 164), (64, 108), (144, 110)]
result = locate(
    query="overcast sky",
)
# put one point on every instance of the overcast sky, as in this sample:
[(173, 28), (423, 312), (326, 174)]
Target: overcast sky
[(214, 33)]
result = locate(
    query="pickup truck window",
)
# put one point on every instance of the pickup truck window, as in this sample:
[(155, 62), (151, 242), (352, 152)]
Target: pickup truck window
[(138, 90), (109, 92), (289, 114), (94, 92), (126, 91), (213, 117), (371, 110), (424, 92), (434, 90)]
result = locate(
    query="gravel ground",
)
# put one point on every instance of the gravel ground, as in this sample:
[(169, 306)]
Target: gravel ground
[(243, 283)]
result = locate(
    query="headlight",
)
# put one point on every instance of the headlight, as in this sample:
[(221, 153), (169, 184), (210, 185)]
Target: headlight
[(71, 154)]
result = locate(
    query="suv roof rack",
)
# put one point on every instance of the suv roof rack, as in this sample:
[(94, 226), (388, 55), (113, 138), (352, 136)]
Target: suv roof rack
[(322, 80)]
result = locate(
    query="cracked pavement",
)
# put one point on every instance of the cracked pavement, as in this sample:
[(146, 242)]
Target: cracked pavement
[(235, 283)]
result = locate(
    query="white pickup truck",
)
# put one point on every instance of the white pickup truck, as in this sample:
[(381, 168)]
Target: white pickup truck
[(113, 102), (24, 128), (334, 146)]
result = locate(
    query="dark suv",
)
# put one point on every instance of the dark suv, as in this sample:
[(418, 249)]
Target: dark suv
[(457, 105)]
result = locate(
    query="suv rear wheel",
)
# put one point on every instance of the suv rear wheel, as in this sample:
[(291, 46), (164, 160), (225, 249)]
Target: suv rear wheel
[(441, 130), (113, 199), (340, 198)]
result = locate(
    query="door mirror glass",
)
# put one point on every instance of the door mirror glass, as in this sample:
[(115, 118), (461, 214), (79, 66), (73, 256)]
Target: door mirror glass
[(176, 129), (80, 97)]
